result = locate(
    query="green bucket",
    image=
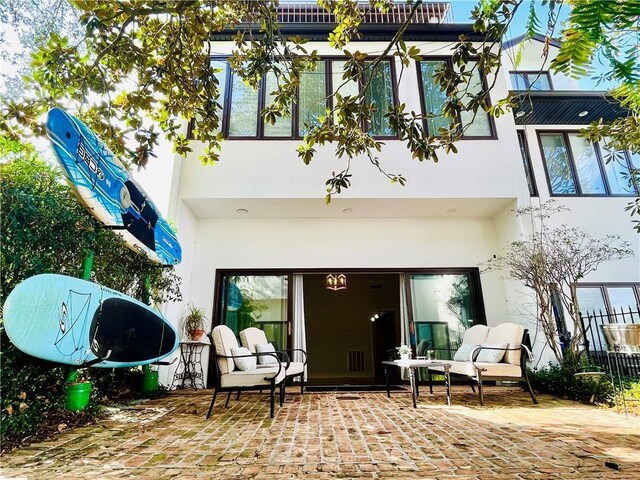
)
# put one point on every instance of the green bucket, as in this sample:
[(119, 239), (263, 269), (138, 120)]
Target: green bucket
[(77, 395), (149, 382)]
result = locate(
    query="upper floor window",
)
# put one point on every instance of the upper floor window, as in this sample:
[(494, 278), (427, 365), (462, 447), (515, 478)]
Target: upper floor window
[(476, 125), (575, 166), (526, 160), (242, 104), (531, 80)]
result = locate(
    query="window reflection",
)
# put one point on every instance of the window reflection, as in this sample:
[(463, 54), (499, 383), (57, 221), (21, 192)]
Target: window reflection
[(257, 301), (558, 167)]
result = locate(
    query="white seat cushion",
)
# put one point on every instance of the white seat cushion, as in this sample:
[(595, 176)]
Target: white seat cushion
[(223, 341), (510, 333), (491, 369), (295, 368), (251, 378), (252, 336)]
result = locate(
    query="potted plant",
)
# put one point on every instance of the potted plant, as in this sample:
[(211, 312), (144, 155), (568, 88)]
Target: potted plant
[(404, 351), (145, 381), (77, 391), (194, 322)]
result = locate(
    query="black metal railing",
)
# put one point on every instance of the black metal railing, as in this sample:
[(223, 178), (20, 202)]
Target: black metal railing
[(595, 343), (428, 12)]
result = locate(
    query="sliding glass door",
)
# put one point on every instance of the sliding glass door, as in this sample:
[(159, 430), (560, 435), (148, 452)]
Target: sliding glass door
[(443, 306), (257, 301)]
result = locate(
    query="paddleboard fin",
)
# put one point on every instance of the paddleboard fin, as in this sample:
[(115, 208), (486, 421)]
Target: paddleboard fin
[(96, 360)]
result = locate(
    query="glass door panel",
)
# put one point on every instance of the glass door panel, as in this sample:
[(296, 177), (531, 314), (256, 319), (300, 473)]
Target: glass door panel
[(257, 301), (442, 307)]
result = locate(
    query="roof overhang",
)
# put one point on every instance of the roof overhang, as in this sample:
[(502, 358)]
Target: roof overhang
[(431, 32), (566, 108)]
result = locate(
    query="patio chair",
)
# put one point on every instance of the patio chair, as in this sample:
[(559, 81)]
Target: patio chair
[(230, 378), (507, 343), (252, 336)]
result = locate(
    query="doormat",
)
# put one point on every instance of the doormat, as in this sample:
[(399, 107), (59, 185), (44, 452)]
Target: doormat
[(352, 388)]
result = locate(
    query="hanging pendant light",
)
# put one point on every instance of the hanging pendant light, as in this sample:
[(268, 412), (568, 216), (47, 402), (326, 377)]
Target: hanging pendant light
[(336, 282)]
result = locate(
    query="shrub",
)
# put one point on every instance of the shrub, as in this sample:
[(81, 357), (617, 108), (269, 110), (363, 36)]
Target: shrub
[(561, 381), (45, 230)]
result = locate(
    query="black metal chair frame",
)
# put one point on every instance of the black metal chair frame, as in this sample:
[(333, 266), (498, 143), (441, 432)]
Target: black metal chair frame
[(272, 386)]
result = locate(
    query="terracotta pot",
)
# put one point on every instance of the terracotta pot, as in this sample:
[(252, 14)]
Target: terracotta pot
[(196, 335)]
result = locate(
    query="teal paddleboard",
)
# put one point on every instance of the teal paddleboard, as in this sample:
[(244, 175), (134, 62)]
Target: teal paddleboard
[(74, 322)]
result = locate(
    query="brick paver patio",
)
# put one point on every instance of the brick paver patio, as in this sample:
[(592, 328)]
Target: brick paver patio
[(343, 435)]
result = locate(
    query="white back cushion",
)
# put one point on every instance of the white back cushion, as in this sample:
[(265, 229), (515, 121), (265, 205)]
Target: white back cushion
[(244, 362), (223, 341), (476, 335), (266, 348), (492, 353), (252, 336), (463, 354), (510, 333)]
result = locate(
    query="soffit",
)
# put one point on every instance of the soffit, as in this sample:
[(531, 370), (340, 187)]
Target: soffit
[(564, 107), (339, 207)]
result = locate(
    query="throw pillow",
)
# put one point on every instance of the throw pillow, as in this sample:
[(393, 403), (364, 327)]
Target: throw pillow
[(266, 348), (494, 355), (243, 363), (463, 353)]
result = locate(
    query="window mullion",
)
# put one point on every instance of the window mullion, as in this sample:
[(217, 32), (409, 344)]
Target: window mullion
[(261, 103), (572, 163), (603, 172), (226, 101)]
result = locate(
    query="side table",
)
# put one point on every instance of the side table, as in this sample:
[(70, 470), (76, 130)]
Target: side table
[(189, 371), (412, 365)]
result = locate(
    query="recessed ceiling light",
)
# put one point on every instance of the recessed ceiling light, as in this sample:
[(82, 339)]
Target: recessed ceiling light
[(348, 211), (242, 211), (520, 114), (583, 113)]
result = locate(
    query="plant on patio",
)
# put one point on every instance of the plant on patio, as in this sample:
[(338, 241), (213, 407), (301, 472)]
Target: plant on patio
[(560, 380), (551, 262), (45, 230)]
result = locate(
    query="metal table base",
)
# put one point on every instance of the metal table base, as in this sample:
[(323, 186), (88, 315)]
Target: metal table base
[(412, 365)]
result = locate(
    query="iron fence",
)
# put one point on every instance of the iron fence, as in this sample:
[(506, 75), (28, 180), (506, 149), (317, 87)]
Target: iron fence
[(595, 343)]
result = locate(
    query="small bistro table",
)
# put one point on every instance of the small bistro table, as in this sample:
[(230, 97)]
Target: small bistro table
[(190, 366), (412, 365)]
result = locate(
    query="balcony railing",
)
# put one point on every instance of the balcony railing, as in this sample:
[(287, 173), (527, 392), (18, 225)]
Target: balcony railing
[(430, 12)]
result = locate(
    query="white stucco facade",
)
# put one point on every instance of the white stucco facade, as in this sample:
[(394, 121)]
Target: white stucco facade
[(456, 213)]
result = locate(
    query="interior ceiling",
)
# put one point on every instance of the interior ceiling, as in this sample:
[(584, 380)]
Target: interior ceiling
[(348, 208)]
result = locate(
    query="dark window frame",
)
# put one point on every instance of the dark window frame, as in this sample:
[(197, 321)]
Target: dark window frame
[(602, 286), (423, 107), (295, 113), (528, 166), (573, 169), (525, 78), (475, 289), (329, 75)]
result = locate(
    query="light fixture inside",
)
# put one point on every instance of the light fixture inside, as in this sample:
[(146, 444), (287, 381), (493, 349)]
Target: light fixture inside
[(336, 282), (583, 113), (348, 211), (520, 114), (242, 211)]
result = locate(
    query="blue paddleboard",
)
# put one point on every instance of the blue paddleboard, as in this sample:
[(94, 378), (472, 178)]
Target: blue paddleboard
[(71, 321), (107, 190)]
